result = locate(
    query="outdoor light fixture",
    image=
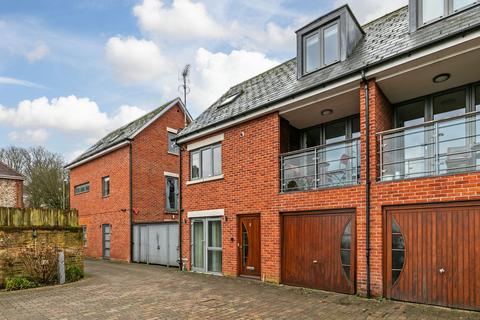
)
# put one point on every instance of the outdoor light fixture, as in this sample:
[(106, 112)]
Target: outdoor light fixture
[(326, 112), (441, 77)]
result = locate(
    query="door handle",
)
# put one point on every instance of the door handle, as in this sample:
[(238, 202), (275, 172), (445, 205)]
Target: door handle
[(442, 270)]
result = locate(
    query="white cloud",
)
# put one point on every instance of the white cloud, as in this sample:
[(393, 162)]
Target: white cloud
[(216, 72), (36, 136), (19, 82), (70, 115), (136, 61), (273, 38), (38, 53), (183, 19), (367, 10)]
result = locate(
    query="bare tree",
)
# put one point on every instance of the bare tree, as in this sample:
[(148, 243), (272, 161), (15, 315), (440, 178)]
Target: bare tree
[(44, 175)]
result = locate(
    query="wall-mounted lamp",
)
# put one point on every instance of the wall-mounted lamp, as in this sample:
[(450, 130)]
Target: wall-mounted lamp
[(441, 78)]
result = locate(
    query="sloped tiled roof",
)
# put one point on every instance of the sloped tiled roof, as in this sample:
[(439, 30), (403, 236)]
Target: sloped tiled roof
[(8, 173), (385, 38), (122, 134)]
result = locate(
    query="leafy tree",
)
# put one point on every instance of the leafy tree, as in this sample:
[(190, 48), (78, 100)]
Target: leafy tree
[(44, 173)]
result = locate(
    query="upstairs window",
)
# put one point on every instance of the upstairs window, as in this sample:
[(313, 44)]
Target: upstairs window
[(431, 10), (206, 162), (321, 47), (105, 186), (172, 146), (172, 194), (81, 188)]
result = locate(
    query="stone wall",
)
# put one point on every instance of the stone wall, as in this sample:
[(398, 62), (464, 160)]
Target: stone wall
[(8, 193), (23, 228)]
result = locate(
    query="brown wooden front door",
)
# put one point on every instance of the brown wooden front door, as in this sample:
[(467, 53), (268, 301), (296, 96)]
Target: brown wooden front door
[(249, 245), (433, 255), (318, 250)]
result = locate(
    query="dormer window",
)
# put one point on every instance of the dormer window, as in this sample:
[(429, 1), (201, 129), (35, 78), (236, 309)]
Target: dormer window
[(432, 10), (321, 47), (327, 40)]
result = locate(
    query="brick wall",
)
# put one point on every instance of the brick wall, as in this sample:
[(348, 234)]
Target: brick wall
[(55, 228), (94, 210), (150, 160)]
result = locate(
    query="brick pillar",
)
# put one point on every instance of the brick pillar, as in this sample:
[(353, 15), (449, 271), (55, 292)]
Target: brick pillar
[(19, 193), (380, 120)]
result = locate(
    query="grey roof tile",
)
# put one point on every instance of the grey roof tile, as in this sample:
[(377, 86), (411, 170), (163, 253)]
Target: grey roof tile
[(6, 171), (121, 134), (385, 38)]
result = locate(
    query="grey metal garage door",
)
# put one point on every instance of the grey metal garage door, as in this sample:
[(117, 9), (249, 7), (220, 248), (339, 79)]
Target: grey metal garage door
[(156, 243)]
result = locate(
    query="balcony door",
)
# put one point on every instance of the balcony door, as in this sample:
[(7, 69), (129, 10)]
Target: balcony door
[(206, 245)]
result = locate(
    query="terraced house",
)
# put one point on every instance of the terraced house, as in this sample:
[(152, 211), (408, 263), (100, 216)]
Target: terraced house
[(125, 188), (352, 167)]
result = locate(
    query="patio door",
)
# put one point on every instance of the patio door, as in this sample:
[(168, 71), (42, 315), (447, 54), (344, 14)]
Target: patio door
[(206, 246)]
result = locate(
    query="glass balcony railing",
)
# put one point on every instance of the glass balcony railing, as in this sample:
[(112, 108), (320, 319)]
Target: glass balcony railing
[(438, 147), (330, 165)]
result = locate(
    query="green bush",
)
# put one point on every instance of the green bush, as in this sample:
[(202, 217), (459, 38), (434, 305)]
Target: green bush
[(18, 283), (73, 273)]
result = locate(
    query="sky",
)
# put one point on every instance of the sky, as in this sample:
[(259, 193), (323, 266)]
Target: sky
[(71, 71)]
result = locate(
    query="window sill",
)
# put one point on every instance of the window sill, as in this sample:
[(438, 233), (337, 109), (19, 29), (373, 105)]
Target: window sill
[(173, 153), (205, 180), (105, 197)]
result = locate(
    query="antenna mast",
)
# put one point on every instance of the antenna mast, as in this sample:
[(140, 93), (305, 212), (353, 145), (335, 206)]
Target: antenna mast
[(185, 88)]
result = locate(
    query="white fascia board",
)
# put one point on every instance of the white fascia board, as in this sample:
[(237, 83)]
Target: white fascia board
[(97, 155), (171, 130), (206, 213), (206, 142)]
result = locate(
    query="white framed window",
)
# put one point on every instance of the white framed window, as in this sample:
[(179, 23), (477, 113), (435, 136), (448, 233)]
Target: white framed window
[(171, 193), (105, 186), (321, 47), (81, 188), (206, 162), (433, 10)]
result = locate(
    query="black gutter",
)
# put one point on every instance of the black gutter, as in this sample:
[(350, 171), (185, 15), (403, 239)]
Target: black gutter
[(131, 198), (367, 178), (461, 34)]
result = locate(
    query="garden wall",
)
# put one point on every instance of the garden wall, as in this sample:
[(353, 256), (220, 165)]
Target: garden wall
[(36, 228)]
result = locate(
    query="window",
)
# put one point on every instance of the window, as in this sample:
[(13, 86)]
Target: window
[(345, 249), (229, 99), (477, 98), (321, 47), (105, 186), (81, 188), (84, 235), (331, 132), (431, 10), (171, 194), (172, 146), (398, 251), (206, 162)]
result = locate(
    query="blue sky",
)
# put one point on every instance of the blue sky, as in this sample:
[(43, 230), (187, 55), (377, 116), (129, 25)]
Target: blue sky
[(70, 71)]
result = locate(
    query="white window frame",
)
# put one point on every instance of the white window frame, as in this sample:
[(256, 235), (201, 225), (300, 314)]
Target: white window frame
[(320, 34), (447, 11)]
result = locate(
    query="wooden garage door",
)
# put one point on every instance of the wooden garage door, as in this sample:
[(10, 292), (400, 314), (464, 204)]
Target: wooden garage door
[(433, 255), (319, 251)]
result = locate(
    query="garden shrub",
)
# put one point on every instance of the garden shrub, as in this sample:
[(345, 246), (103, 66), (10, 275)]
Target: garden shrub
[(18, 283), (73, 273)]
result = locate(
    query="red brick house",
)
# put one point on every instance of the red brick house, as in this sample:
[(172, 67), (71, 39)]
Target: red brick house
[(353, 167), (125, 188), (11, 187)]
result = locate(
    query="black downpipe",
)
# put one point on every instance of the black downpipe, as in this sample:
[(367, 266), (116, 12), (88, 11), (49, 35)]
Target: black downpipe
[(180, 260), (131, 199), (367, 178)]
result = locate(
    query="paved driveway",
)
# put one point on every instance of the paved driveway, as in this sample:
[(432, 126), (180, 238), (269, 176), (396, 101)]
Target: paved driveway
[(131, 291)]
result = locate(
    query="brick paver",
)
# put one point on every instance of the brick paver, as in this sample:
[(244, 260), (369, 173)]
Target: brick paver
[(131, 291)]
